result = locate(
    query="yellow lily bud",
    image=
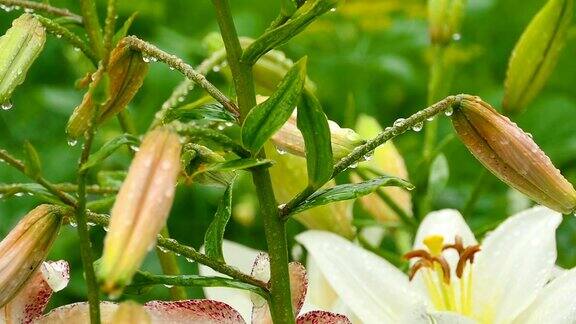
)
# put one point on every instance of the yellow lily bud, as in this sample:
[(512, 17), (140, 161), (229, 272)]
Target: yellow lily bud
[(445, 17), (25, 247), (289, 139), (511, 154), (19, 48), (141, 208), (289, 176), (122, 80), (130, 312), (387, 160)]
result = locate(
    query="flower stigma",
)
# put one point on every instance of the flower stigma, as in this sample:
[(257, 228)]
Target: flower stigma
[(449, 290)]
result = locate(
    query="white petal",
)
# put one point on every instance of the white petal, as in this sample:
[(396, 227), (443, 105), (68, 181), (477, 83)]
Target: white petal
[(446, 222), (450, 318), (375, 290), (242, 258), (56, 274), (555, 303), (516, 261)]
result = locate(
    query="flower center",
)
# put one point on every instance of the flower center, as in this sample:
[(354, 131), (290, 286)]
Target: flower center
[(447, 292)]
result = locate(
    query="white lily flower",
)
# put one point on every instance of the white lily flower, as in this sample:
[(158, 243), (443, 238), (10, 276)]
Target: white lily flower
[(510, 278)]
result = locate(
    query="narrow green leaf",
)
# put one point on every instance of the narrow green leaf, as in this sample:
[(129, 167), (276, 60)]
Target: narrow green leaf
[(123, 31), (266, 118), (143, 280), (234, 165), (350, 191), (32, 164), (111, 179), (107, 149), (536, 54), (215, 234), (210, 112), (313, 124)]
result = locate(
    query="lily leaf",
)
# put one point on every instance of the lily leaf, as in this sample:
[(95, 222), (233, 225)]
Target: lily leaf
[(107, 149), (213, 112), (215, 234), (266, 118), (350, 191), (32, 164), (313, 124)]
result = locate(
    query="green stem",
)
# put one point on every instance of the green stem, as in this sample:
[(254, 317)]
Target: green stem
[(92, 26), (109, 29), (82, 226), (359, 152), (169, 266), (280, 302), (42, 7)]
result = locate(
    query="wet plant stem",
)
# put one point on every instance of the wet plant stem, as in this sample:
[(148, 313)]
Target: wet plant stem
[(84, 235), (184, 68), (109, 29), (359, 152), (42, 7), (280, 302)]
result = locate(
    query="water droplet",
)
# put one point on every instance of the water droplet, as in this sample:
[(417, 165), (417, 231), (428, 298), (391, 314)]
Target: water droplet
[(398, 122), (529, 135), (216, 68), (76, 49), (145, 58), (190, 260), (431, 118), (73, 224), (456, 37), (168, 286), (449, 111), (171, 68), (19, 194), (134, 148), (417, 127), (369, 156), (58, 36), (280, 151), (28, 10), (221, 127), (229, 124), (333, 10), (353, 165), (7, 105), (72, 142)]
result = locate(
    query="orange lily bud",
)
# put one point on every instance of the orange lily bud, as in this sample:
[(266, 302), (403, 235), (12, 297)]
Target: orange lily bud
[(511, 154), (25, 247), (141, 208)]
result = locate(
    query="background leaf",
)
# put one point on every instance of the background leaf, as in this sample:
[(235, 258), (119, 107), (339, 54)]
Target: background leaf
[(215, 233), (110, 147)]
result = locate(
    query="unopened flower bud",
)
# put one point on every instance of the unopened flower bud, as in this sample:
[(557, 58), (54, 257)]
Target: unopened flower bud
[(19, 48), (445, 17), (511, 154), (289, 139), (118, 85), (25, 247), (141, 208), (536, 53), (130, 312)]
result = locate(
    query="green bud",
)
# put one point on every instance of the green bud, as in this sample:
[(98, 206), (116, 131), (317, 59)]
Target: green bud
[(511, 154), (445, 17), (19, 48), (536, 54)]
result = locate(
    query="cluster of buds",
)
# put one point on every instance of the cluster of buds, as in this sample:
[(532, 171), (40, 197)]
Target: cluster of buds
[(141, 208), (25, 248), (111, 89), (19, 48), (511, 154), (445, 17)]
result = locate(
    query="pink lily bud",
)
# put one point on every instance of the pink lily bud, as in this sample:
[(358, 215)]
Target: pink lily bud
[(25, 247), (511, 154), (141, 209)]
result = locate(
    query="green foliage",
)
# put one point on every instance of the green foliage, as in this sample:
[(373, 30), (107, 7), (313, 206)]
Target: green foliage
[(215, 232)]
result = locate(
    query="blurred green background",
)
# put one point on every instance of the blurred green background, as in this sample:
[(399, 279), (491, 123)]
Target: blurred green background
[(369, 56)]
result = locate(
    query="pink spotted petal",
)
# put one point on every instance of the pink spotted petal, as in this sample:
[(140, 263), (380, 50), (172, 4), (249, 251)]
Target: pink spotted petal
[(298, 286), (321, 317), (193, 311), (78, 313), (30, 302)]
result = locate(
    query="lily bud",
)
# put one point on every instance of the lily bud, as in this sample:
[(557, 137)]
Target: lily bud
[(445, 17), (130, 312), (121, 81), (289, 176), (536, 53), (25, 247), (19, 48), (511, 154), (141, 208), (289, 139)]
